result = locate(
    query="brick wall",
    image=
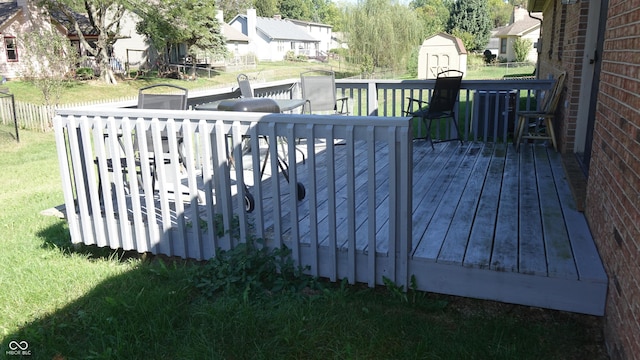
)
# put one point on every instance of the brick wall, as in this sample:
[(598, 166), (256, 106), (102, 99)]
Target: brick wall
[(564, 32), (613, 195)]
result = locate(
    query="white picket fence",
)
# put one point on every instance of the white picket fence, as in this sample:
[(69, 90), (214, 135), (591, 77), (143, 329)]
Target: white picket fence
[(38, 117)]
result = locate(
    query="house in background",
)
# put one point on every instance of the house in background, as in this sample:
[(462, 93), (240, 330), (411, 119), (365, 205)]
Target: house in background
[(322, 32), (17, 17), (21, 16), (523, 26), (598, 125), (273, 38), (441, 52)]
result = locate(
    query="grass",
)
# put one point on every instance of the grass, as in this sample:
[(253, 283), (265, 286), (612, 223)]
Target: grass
[(81, 302)]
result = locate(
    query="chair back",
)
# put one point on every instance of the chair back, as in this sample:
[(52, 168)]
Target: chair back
[(245, 86), (446, 90), (171, 97), (319, 89), (550, 101)]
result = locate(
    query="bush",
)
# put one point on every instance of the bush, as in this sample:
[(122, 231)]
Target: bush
[(84, 73)]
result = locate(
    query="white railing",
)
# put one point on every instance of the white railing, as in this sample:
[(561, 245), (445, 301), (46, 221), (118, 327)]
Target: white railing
[(188, 199)]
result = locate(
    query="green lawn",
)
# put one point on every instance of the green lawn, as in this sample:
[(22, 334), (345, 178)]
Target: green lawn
[(71, 302)]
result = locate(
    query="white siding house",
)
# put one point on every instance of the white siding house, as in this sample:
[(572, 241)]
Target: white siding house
[(272, 38), (322, 32), (522, 26)]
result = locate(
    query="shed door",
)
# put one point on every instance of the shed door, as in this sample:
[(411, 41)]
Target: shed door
[(436, 64)]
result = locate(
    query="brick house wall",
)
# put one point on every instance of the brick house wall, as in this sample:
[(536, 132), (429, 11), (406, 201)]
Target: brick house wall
[(613, 190), (613, 193), (564, 32)]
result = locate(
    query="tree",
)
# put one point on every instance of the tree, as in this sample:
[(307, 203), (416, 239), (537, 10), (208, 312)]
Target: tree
[(434, 15), (471, 16), (189, 22), (521, 49), (49, 60), (295, 9), (103, 17), (231, 8), (266, 8), (500, 12), (381, 34)]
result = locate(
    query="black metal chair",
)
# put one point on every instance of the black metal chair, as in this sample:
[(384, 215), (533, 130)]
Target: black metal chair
[(442, 104)]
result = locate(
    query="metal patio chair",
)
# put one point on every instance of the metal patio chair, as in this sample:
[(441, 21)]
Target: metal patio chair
[(441, 105), (538, 125), (150, 98), (245, 86), (319, 91)]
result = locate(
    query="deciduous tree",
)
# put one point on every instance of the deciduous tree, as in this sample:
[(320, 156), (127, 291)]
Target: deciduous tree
[(189, 22), (103, 17), (49, 61), (381, 34)]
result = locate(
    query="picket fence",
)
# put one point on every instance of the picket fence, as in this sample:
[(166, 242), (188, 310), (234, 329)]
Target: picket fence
[(38, 117)]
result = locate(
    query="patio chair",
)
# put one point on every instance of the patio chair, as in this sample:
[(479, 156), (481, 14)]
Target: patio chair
[(319, 91), (167, 97), (538, 125), (442, 104), (245, 86), (149, 98)]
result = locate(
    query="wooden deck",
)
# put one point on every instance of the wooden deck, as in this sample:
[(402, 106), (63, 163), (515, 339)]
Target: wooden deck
[(491, 223), (488, 223)]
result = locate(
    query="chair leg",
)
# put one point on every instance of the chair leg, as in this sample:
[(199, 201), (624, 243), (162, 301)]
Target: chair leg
[(550, 132), (455, 122), (518, 132), (428, 126)]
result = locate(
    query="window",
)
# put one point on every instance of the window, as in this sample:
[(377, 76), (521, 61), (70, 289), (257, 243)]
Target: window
[(11, 46), (503, 45)]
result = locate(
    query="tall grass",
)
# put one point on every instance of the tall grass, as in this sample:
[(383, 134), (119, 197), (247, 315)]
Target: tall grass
[(71, 302)]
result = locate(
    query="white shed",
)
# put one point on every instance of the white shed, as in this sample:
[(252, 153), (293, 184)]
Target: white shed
[(441, 52)]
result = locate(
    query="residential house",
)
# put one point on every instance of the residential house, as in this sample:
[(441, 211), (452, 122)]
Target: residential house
[(523, 26), (273, 38), (598, 124), (322, 32), (16, 17), (21, 16)]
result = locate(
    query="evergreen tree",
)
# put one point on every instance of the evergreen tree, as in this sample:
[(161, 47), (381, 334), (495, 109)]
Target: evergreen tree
[(471, 16)]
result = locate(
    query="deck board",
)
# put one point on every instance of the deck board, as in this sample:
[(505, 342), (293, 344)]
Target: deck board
[(480, 244)]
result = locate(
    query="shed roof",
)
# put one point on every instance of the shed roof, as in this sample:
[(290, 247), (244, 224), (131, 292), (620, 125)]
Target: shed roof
[(456, 41)]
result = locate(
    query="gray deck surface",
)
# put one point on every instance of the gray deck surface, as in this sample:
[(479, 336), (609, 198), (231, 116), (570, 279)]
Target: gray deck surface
[(488, 222)]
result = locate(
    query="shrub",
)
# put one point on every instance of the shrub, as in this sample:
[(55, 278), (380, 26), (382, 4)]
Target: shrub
[(84, 73)]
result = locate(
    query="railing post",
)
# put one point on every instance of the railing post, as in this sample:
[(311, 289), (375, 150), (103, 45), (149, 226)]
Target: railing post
[(372, 99)]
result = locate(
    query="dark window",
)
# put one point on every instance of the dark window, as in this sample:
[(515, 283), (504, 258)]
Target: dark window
[(503, 45), (12, 48)]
